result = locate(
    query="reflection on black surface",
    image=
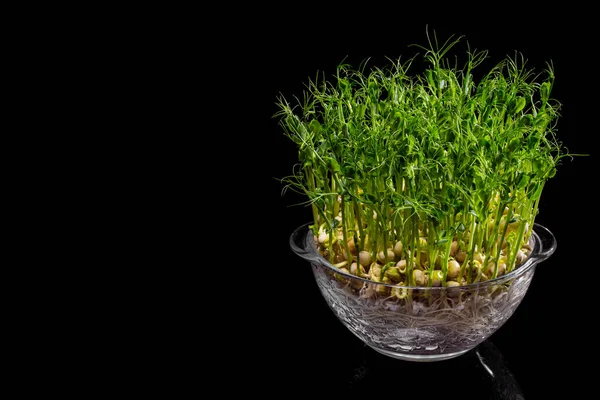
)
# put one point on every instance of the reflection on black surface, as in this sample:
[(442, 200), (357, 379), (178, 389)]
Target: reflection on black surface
[(480, 374), (504, 385)]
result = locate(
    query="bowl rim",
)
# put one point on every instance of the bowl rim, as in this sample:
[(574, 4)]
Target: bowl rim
[(539, 253)]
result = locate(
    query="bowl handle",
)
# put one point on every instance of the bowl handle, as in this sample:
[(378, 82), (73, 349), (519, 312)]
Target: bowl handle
[(299, 241), (546, 240)]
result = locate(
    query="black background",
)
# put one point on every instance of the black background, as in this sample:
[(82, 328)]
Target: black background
[(295, 341)]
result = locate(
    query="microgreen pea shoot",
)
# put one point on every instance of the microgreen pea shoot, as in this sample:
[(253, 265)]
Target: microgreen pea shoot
[(449, 167)]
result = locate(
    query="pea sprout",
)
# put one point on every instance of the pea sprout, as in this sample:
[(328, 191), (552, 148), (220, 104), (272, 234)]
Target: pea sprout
[(427, 179)]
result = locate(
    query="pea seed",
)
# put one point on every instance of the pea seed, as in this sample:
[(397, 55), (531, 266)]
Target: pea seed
[(501, 269), (453, 248), (352, 246), (393, 274), (398, 248), (364, 258), (453, 269), (375, 271), (419, 277), (437, 277), (399, 293), (521, 257), (401, 265), (390, 256), (323, 237)]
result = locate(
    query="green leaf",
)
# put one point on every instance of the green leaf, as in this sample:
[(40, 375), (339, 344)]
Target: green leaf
[(485, 142), (360, 111), (538, 167), (532, 141), (519, 104), (514, 144), (430, 80), (523, 181), (315, 126), (370, 198), (334, 166), (545, 91)]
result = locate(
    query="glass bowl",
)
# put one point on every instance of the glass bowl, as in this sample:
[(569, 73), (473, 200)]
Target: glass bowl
[(428, 323)]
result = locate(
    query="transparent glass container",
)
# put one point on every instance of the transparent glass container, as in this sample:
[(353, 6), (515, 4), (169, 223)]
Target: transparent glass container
[(428, 323)]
